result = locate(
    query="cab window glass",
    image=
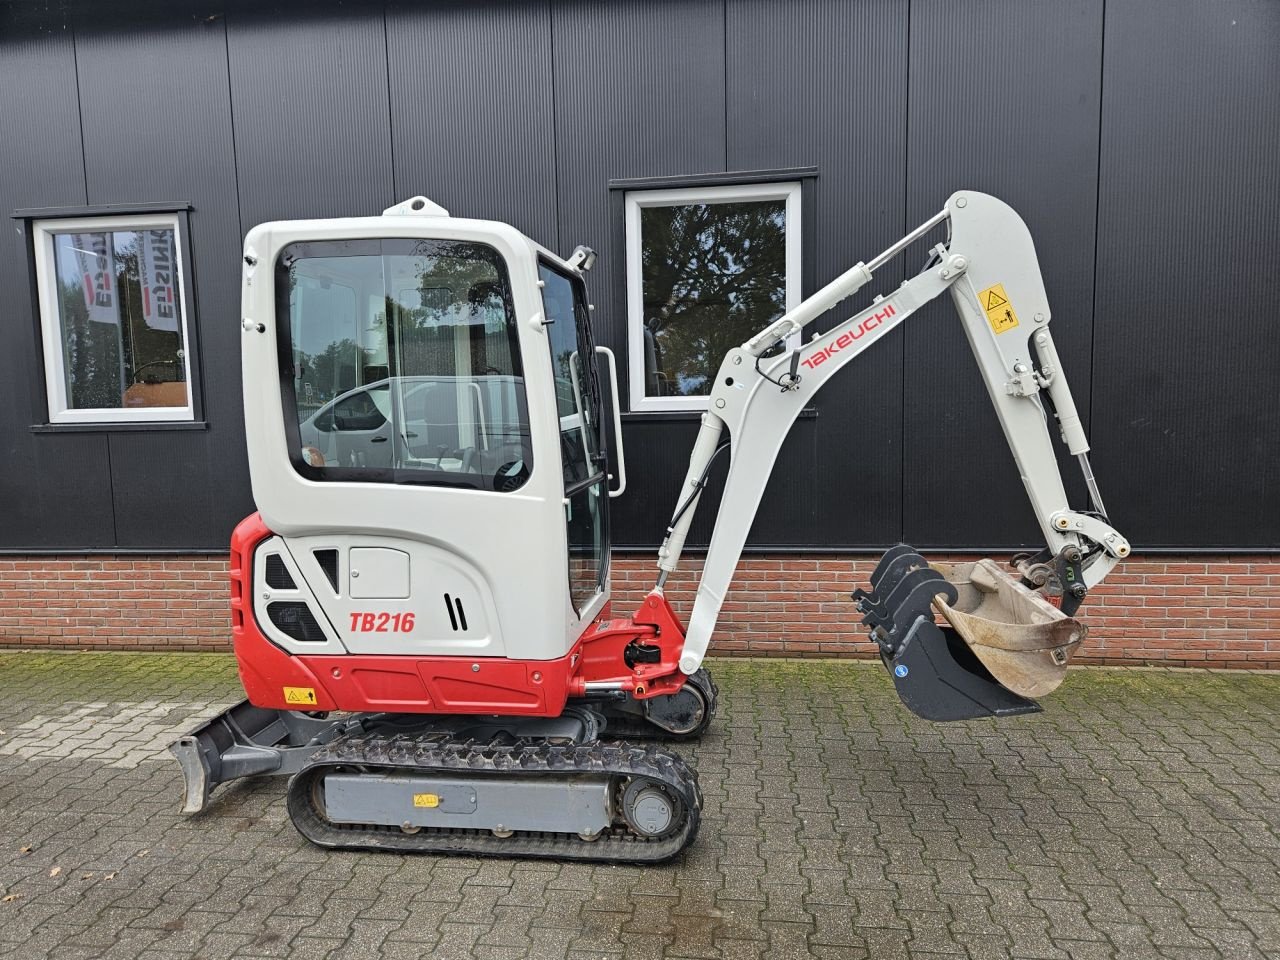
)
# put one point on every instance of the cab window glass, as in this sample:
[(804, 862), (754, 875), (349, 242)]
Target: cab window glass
[(573, 366), (359, 410), (403, 364)]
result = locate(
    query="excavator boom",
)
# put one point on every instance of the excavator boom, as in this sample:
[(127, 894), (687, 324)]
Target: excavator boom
[(988, 265)]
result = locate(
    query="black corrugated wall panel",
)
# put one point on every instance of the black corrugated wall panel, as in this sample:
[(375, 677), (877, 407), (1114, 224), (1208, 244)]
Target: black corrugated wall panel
[(639, 91), (1004, 100), (473, 119), (1187, 406), (1160, 153), (310, 106), (55, 489), (823, 84), (173, 141)]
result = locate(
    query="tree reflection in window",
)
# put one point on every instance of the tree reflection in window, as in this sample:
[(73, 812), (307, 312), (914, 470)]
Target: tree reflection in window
[(714, 274)]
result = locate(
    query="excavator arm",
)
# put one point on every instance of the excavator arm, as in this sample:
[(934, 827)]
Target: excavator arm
[(988, 265)]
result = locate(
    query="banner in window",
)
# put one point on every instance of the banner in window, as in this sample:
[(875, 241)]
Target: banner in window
[(97, 265), (157, 273)]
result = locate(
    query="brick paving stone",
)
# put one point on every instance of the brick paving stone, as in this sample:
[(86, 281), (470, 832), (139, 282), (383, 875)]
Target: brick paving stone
[(1137, 817)]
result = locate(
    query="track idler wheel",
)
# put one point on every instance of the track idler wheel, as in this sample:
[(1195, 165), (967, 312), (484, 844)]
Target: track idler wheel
[(687, 713)]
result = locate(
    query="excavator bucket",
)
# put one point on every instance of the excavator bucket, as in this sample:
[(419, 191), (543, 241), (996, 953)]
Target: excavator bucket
[(998, 646), (1020, 637)]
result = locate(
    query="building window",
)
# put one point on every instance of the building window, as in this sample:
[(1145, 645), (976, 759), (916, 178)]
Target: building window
[(112, 294), (707, 269)]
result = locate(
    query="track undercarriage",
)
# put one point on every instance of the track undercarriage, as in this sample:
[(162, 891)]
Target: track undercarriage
[(568, 787)]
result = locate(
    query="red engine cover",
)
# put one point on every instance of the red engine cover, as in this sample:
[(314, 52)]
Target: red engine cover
[(275, 679)]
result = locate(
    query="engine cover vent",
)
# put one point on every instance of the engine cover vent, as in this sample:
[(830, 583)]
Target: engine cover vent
[(328, 560), (295, 619), (277, 574), (457, 616)]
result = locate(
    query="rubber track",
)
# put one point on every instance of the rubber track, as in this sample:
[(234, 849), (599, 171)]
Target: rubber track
[(434, 754)]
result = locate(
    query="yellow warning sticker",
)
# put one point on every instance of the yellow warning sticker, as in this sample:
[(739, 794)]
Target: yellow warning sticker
[(998, 308), (303, 695), (426, 800)]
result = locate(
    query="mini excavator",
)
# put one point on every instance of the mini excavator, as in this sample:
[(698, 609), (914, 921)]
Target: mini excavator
[(420, 605)]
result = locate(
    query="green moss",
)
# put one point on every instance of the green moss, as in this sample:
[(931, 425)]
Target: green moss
[(93, 676), (90, 676)]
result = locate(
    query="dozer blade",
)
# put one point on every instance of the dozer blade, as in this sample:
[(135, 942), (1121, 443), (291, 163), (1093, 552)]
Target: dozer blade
[(1004, 646), (246, 741)]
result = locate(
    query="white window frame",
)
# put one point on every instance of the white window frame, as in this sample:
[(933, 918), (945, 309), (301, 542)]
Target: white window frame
[(732, 193), (60, 411)]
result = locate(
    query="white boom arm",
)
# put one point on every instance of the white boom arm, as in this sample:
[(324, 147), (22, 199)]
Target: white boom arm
[(989, 266)]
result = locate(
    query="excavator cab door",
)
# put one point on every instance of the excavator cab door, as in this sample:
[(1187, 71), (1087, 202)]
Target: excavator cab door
[(579, 407)]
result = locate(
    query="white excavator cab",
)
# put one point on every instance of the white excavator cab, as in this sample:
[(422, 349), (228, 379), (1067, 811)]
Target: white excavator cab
[(425, 437)]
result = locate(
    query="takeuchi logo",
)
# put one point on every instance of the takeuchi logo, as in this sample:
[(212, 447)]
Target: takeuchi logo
[(849, 337)]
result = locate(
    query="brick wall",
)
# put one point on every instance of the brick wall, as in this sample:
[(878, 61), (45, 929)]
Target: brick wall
[(1175, 611), (109, 603), (1170, 611)]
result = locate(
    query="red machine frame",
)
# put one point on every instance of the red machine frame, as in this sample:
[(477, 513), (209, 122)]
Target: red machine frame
[(275, 679)]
